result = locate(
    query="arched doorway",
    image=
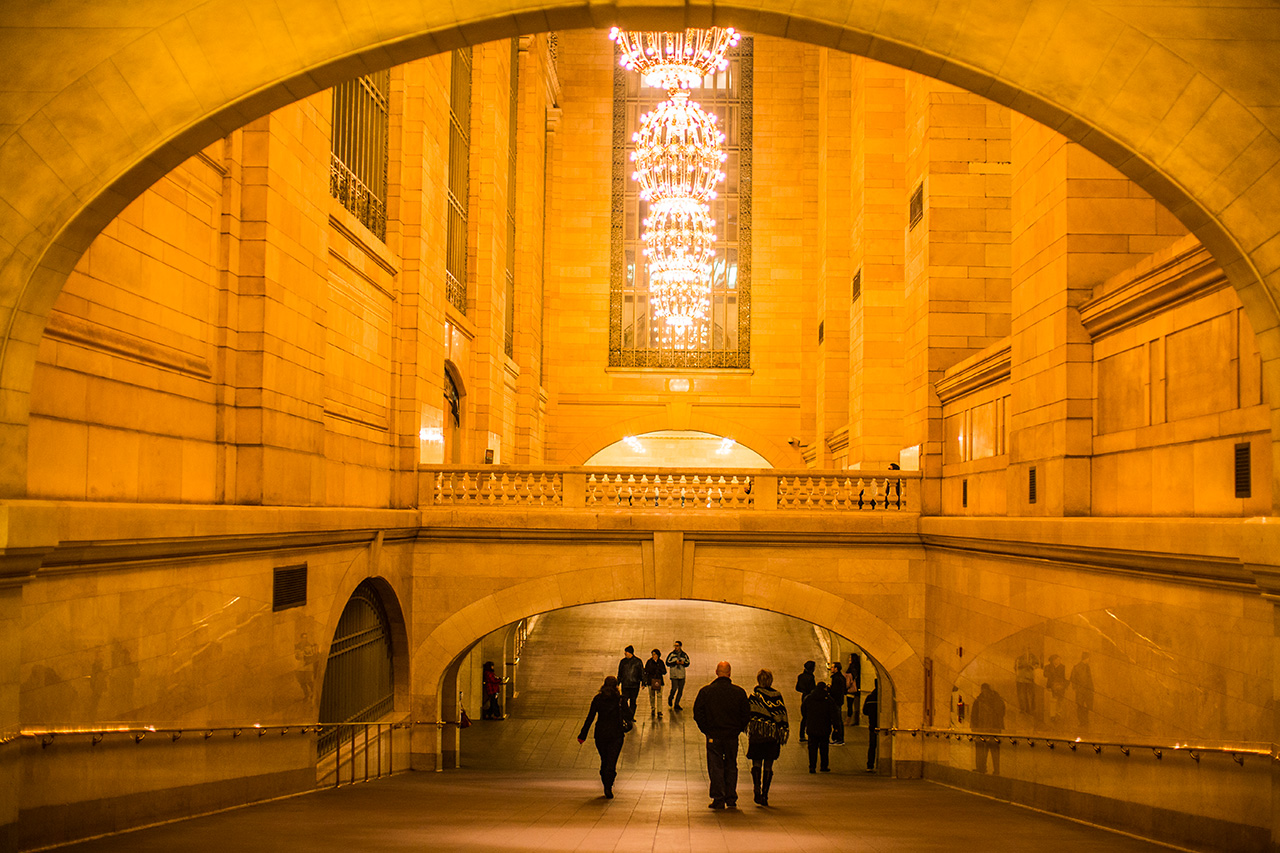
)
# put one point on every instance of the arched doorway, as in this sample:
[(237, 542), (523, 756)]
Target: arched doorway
[(359, 681)]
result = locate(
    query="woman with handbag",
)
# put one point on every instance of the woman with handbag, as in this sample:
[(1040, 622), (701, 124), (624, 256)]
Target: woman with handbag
[(612, 724), (767, 731), (654, 675)]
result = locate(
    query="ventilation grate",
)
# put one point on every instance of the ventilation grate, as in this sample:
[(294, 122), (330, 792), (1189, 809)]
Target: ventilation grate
[(917, 206), (289, 587), (1031, 484), (1244, 470), (964, 493), (857, 286), (821, 326)]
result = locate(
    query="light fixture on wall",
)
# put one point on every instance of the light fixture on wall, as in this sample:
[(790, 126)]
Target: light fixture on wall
[(678, 156)]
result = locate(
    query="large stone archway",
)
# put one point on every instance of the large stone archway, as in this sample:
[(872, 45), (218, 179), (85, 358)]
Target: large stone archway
[(104, 99), (435, 659)]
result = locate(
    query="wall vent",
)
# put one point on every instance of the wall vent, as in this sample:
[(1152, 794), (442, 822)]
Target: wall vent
[(964, 493), (1244, 470), (857, 286), (821, 324), (289, 587), (1031, 484), (917, 206)]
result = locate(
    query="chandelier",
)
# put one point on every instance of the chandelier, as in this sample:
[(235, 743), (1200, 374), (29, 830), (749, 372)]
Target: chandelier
[(678, 156)]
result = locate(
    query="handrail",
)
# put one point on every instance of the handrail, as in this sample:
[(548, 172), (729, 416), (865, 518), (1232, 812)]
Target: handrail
[(139, 731), (1237, 751)]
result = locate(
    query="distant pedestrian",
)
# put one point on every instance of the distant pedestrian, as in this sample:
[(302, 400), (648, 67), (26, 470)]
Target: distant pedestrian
[(677, 662), (805, 682), (721, 710), (1024, 677), (1082, 683), (767, 731), (871, 709), (1055, 684), (819, 712), (853, 696), (491, 710), (837, 690), (987, 715), (654, 672), (630, 674), (609, 713)]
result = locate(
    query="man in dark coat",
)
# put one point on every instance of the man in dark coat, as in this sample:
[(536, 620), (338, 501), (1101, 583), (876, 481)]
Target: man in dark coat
[(821, 713), (837, 690), (804, 686), (987, 716), (721, 710), (630, 676), (871, 710)]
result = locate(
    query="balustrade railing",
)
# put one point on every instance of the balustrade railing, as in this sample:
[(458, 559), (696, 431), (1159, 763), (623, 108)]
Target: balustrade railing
[(638, 489)]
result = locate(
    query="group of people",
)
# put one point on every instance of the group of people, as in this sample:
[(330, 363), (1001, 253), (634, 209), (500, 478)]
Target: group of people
[(821, 707), (1056, 683), (723, 711)]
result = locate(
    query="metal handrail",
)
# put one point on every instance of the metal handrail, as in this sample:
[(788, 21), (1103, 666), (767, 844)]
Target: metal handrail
[(1193, 750)]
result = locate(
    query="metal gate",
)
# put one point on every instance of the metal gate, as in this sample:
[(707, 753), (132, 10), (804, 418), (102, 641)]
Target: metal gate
[(357, 681)]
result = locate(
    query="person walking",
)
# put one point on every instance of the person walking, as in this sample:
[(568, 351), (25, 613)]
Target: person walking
[(721, 710), (805, 682), (871, 710), (1055, 685), (987, 715), (654, 670), (1082, 682), (818, 712), (1024, 677), (609, 714), (677, 662), (630, 674), (767, 731), (837, 690), (491, 710)]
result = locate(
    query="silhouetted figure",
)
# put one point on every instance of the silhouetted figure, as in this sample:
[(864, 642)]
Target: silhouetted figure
[(630, 675), (987, 716), (767, 731), (805, 682), (1082, 683), (853, 697), (677, 663), (1055, 685), (819, 713), (837, 689), (871, 708), (1024, 676), (608, 711), (721, 710), (492, 709)]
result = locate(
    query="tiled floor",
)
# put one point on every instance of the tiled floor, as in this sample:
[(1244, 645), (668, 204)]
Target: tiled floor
[(528, 785)]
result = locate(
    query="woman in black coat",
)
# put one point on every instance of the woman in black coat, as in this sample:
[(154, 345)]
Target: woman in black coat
[(608, 713), (820, 714)]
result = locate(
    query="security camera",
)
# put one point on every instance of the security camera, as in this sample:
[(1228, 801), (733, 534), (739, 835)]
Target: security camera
[(793, 441)]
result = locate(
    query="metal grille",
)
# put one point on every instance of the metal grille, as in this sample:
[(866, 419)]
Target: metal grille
[(357, 680), (917, 206), (358, 161), (289, 587), (453, 398), (821, 330), (1244, 470), (459, 183), (634, 338), (964, 493), (857, 286), (1031, 484), (509, 339)]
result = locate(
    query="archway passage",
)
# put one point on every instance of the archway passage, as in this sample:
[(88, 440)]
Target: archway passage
[(568, 653), (358, 680), (1155, 95)]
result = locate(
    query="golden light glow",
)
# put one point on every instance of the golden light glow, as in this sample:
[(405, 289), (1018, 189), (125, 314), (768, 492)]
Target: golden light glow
[(675, 60)]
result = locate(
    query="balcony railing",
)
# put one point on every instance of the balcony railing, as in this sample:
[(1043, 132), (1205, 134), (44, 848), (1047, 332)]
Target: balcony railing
[(649, 489)]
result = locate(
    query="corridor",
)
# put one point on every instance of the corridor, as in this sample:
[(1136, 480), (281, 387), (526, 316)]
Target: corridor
[(526, 784)]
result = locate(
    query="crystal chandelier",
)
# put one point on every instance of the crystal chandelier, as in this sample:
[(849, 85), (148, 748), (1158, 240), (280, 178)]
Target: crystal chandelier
[(678, 156)]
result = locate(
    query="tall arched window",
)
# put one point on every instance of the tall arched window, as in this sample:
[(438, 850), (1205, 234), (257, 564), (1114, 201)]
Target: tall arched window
[(358, 683)]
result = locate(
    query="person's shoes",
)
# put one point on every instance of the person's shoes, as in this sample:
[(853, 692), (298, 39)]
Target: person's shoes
[(764, 799), (608, 793), (731, 804), (803, 739), (716, 804), (678, 708), (826, 770), (759, 800), (837, 743), (659, 715), (871, 770), (812, 770)]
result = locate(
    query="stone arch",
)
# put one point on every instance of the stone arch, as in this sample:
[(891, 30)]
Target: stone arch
[(398, 625), (601, 437), (81, 144), (436, 660)]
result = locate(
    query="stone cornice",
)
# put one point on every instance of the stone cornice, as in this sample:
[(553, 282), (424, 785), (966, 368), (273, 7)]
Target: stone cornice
[(984, 369), (1182, 276)]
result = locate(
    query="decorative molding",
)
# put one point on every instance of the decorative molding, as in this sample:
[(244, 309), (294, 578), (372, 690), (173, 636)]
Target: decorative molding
[(346, 224), (74, 330), (374, 420), (983, 371), (1183, 277), (839, 440)]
